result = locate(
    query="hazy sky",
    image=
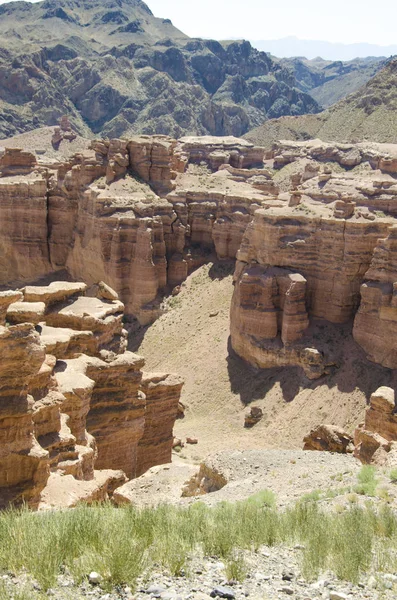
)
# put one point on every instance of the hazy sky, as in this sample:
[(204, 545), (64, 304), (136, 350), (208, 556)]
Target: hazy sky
[(346, 21)]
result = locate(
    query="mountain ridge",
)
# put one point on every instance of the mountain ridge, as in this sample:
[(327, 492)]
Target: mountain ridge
[(370, 113), (114, 68)]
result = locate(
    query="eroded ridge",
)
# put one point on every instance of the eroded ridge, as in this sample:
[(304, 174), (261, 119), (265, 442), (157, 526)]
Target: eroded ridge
[(78, 417)]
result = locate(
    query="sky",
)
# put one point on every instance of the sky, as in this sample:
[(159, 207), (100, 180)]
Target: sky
[(343, 21)]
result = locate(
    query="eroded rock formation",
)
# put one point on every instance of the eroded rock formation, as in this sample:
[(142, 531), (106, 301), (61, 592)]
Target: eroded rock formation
[(136, 213), (74, 404), (328, 438), (376, 439), (323, 248)]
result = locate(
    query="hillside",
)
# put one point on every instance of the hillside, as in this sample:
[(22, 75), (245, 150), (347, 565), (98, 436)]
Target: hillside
[(330, 81), (116, 69), (368, 114)]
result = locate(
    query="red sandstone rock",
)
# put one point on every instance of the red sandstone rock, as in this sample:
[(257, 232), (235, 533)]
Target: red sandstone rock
[(162, 398), (81, 408), (329, 438)]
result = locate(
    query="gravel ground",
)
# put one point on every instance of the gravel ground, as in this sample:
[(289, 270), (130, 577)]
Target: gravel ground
[(273, 574)]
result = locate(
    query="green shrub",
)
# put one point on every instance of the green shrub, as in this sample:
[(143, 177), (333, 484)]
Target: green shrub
[(367, 481)]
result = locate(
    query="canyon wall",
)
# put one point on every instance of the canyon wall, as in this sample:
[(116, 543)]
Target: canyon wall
[(321, 250), (74, 404), (117, 212)]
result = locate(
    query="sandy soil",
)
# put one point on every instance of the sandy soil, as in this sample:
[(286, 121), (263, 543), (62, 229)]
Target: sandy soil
[(39, 142), (219, 386)]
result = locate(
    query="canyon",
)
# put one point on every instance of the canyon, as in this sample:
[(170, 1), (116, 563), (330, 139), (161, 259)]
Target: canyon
[(307, 228)]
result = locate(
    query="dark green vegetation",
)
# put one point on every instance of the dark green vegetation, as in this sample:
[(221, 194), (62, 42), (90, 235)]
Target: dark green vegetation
[(115, 69), (330, 81), (122, 543), (368, 114)]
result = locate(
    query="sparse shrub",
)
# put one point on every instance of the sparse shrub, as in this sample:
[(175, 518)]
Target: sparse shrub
[(236, 568), (367, 481), (393, 475)]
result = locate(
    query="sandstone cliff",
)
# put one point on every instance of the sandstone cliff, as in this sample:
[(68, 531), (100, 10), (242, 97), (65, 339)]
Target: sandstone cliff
[(322, 249), (73, 404), (137, 213)]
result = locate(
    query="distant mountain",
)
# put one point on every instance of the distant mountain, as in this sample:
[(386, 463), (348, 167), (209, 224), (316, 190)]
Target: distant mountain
[(327, 81), (292, 46), (115, 69), (368, 114)]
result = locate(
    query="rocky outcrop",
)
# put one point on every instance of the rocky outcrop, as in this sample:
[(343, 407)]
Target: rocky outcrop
[(377, 436), (328, 438), (374, 440), (321, 250), (24, 464), (268, 315), (375, 325), (73, 407), (162, 394), (219, 151), (129, 212)]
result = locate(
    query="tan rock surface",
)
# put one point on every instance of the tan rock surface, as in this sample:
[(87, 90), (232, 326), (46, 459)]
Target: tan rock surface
[(69, 412), (328, 438), (162, 398), (373, 438)]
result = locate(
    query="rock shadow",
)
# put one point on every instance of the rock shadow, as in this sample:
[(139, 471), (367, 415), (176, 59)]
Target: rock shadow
[(221, 269), (349, 370)]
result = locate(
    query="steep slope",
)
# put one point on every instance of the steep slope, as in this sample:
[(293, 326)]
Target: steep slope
[(330, 81), (368, 114), (114, 68)]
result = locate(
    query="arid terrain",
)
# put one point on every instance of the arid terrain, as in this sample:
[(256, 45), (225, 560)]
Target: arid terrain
[(198, 314)]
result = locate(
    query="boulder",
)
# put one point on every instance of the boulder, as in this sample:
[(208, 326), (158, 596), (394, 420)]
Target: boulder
[(329, 438)]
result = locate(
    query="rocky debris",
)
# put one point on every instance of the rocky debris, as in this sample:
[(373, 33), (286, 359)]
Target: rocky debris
[(234, 475), (374, 441), (328, 438), (177, 443), (253, 416), (75, 404), (192, 441), (159, 485), (181, 410), (205, 575)]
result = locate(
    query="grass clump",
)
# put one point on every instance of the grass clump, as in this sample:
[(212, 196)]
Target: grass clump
[(236, 568), (367, 481), (124, 543), (393, 475)]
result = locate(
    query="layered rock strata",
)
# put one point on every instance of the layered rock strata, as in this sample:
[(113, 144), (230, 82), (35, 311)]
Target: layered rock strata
[(376, 439), (128, 212), (332, 226), (72, 400)]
